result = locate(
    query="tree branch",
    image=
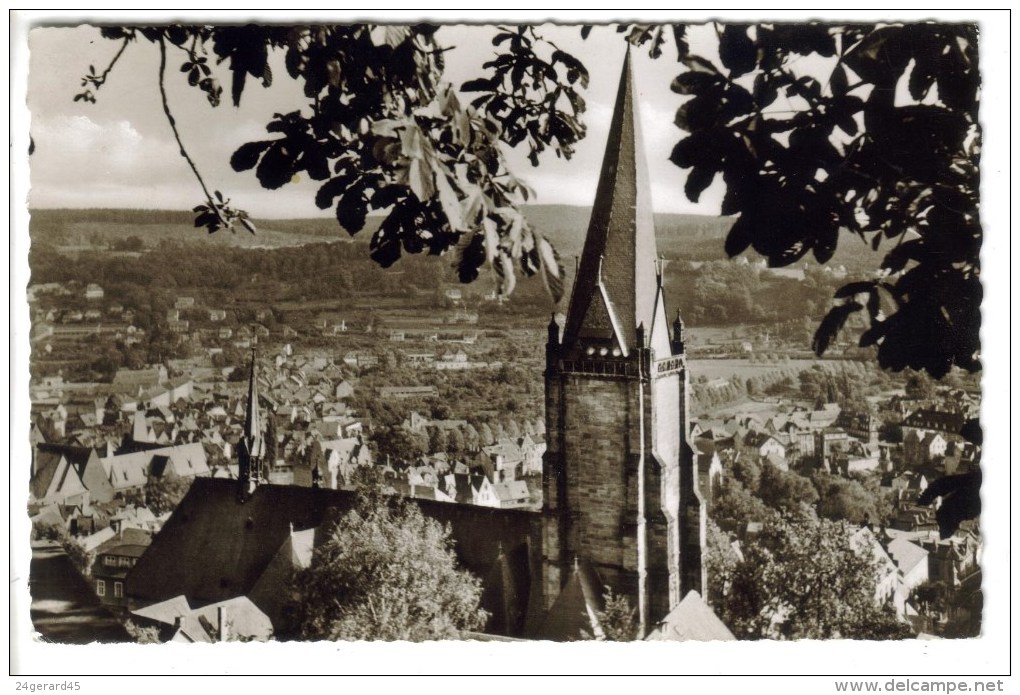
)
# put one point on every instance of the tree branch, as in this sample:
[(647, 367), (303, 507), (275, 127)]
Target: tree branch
[(98, 81), (173, 126), (102, 78)]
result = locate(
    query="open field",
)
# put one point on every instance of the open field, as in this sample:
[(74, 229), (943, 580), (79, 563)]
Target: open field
[(743, 368), (717, 335)]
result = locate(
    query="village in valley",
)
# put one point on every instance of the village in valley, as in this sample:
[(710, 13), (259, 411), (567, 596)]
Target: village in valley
[(438, 405), (629, 462)]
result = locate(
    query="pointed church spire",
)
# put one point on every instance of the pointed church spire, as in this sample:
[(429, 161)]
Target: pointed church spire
[(252, 418), (251, 448), (616, 286)]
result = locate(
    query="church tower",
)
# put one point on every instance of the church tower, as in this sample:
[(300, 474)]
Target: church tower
[(620, 488), (251, 447)]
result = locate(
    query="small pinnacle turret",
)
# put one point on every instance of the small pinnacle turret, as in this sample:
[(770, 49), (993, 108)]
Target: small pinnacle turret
[(678, 334)]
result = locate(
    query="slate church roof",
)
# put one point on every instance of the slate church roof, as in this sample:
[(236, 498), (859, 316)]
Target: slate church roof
[(214, 548), (617, 286)]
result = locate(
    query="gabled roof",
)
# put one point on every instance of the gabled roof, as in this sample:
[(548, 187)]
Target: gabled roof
[(269, 591), (189, 459), (574, 614), (76, 456), (48, 514), (511, 491), (347, 448), (906, 554), (935, 420), (122, 549), (691, 620), (165, 611), (56, 475), (244, 619), (93, 541), (864, 539), (758, 439), (507, 448), (45, 468)]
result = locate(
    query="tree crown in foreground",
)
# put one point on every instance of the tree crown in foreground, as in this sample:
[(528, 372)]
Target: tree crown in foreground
[(386, 572), (802, 577)]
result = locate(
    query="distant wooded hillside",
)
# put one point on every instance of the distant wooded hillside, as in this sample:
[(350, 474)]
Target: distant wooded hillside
[(680, 237)]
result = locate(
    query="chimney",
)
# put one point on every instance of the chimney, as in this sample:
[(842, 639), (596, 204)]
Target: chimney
[(222, 626)]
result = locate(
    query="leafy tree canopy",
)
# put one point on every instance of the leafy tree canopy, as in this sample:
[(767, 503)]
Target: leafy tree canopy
[(785, 491), (387, 573), (840, 498), (801, 578), (874, 136), (162, 495), (618, 619)]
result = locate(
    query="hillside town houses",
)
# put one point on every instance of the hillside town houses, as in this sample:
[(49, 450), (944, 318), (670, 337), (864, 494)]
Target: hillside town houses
[(98, 448), (907, 547)]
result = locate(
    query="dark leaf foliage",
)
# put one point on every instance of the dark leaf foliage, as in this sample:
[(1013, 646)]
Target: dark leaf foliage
[(961, 500), (383, 132), (832, 324), (807, 158)]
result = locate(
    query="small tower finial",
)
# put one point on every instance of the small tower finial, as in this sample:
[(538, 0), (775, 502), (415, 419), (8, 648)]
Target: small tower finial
[(678, 333), (553, 338)]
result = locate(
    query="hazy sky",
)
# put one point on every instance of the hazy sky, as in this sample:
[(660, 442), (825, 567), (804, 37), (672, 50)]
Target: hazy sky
[(120, 151)]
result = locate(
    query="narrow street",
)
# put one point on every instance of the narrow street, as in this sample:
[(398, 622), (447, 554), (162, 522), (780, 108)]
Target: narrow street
[(64, 609)]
